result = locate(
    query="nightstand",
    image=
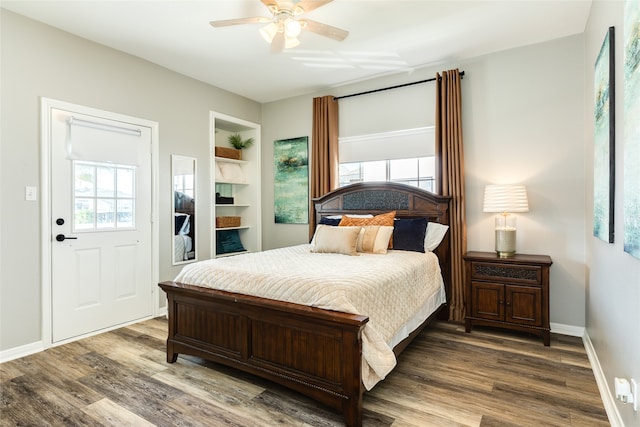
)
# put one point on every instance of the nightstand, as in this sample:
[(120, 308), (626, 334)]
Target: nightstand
[(510, 293)]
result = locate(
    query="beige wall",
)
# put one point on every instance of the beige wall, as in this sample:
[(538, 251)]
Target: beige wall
[(523, 122), (613, 276), (40, 61)]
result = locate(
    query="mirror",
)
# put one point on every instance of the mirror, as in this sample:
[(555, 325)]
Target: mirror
[(183, 178)]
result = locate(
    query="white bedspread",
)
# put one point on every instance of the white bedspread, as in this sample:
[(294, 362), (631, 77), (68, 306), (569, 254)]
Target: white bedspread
[(391, 289)]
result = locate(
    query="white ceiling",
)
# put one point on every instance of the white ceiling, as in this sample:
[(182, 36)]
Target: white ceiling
[(384, 37)]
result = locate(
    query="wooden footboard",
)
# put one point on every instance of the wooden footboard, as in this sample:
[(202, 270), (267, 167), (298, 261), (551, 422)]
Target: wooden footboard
[(313, 351)]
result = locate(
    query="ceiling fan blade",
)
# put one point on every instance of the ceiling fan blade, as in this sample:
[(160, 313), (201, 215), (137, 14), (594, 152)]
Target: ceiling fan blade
[(278, 42), (239, 21), (324, 29), (308, 5), (272, 5)]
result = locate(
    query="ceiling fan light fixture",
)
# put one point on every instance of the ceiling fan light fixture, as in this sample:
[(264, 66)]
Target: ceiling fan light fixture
[(282, 28), (290, 42), (292, 28), (269, 31)]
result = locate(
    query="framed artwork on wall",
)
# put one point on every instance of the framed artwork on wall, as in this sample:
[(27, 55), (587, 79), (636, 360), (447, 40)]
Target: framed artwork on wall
[(632, 128), (604, 140), (291, 181)]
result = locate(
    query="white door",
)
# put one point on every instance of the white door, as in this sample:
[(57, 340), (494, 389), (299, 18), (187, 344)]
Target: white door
[(101, 243)]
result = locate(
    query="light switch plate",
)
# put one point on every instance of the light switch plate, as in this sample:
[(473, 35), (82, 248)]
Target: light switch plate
[(30, 193)]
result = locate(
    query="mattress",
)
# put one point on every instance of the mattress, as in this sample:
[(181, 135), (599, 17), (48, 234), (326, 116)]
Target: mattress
[(397, 290)]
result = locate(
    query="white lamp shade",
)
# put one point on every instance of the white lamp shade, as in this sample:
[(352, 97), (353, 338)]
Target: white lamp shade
[(505, 198), (290, 42), (268, 32)]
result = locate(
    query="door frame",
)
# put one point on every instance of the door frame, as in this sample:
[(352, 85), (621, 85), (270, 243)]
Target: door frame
[(46, 234)]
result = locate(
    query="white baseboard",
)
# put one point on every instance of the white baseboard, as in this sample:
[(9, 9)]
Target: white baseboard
[(605, 393), (28, 349), (572, 331), (22, 351)]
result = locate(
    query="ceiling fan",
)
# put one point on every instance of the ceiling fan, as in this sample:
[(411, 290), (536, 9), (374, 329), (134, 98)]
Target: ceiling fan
[(286, 23)]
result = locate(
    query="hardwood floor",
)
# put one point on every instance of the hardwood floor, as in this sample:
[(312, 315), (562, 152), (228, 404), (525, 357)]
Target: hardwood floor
[(444, 378)]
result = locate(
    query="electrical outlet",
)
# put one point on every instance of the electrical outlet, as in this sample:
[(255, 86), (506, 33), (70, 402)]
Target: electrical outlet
[(635, 392)]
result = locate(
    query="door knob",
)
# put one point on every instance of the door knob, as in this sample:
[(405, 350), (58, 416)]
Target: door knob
[(62, 237)]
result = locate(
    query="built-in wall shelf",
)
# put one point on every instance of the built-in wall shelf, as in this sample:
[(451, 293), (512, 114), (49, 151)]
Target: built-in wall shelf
[(242, 182)]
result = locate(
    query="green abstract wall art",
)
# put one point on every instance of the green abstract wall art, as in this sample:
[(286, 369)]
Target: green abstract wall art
[(291, 192), (632, 128), (604, 140)]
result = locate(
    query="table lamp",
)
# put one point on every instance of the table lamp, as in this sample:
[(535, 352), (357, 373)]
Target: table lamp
[(505, 199)]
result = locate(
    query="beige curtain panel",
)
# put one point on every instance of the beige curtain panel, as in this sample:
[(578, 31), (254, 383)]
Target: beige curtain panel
[(450, 178), (324, 151)]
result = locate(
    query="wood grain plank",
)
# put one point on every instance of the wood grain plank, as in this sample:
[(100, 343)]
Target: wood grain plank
[(110, 414), (446, 377), (10, 370), (27, 400), (138, 393), (202, 413)]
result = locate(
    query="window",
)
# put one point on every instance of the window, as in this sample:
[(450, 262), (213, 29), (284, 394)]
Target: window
[(406, 156), (103, 196), (184, 184), (419, 172)]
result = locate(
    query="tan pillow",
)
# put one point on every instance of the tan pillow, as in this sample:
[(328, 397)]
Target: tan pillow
[(374, 239), (382, 219), (335, 240)]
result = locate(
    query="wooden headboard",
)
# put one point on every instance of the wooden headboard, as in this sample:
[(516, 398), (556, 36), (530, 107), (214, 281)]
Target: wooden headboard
[(380, 197)]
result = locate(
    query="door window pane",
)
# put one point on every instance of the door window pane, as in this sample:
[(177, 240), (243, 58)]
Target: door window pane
[(125, 213), (105, 181), (84, 181), (106, 213), (104, 196), (125, 183), (84, 214)]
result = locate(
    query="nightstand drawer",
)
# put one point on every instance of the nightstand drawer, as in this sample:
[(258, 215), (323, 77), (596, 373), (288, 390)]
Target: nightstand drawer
[(514, 273)]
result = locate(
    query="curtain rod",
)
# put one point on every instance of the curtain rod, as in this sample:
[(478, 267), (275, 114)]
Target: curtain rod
[(390, 87)]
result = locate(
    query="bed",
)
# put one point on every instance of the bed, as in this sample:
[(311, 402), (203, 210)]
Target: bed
[(314, 349)]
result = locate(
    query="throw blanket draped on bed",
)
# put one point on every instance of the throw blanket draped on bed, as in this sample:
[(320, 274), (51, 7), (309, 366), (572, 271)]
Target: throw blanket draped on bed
[(397, 290)]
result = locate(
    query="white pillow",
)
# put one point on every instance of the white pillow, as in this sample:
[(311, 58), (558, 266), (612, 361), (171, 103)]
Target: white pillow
[(434, 235), (337, 240), (374, 239), (232, 172)]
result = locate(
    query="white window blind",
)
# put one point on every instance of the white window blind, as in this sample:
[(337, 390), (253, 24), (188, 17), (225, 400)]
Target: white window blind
[(401, 144)]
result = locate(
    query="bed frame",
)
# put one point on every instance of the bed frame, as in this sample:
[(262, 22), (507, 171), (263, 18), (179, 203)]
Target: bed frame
[(313, 351)]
